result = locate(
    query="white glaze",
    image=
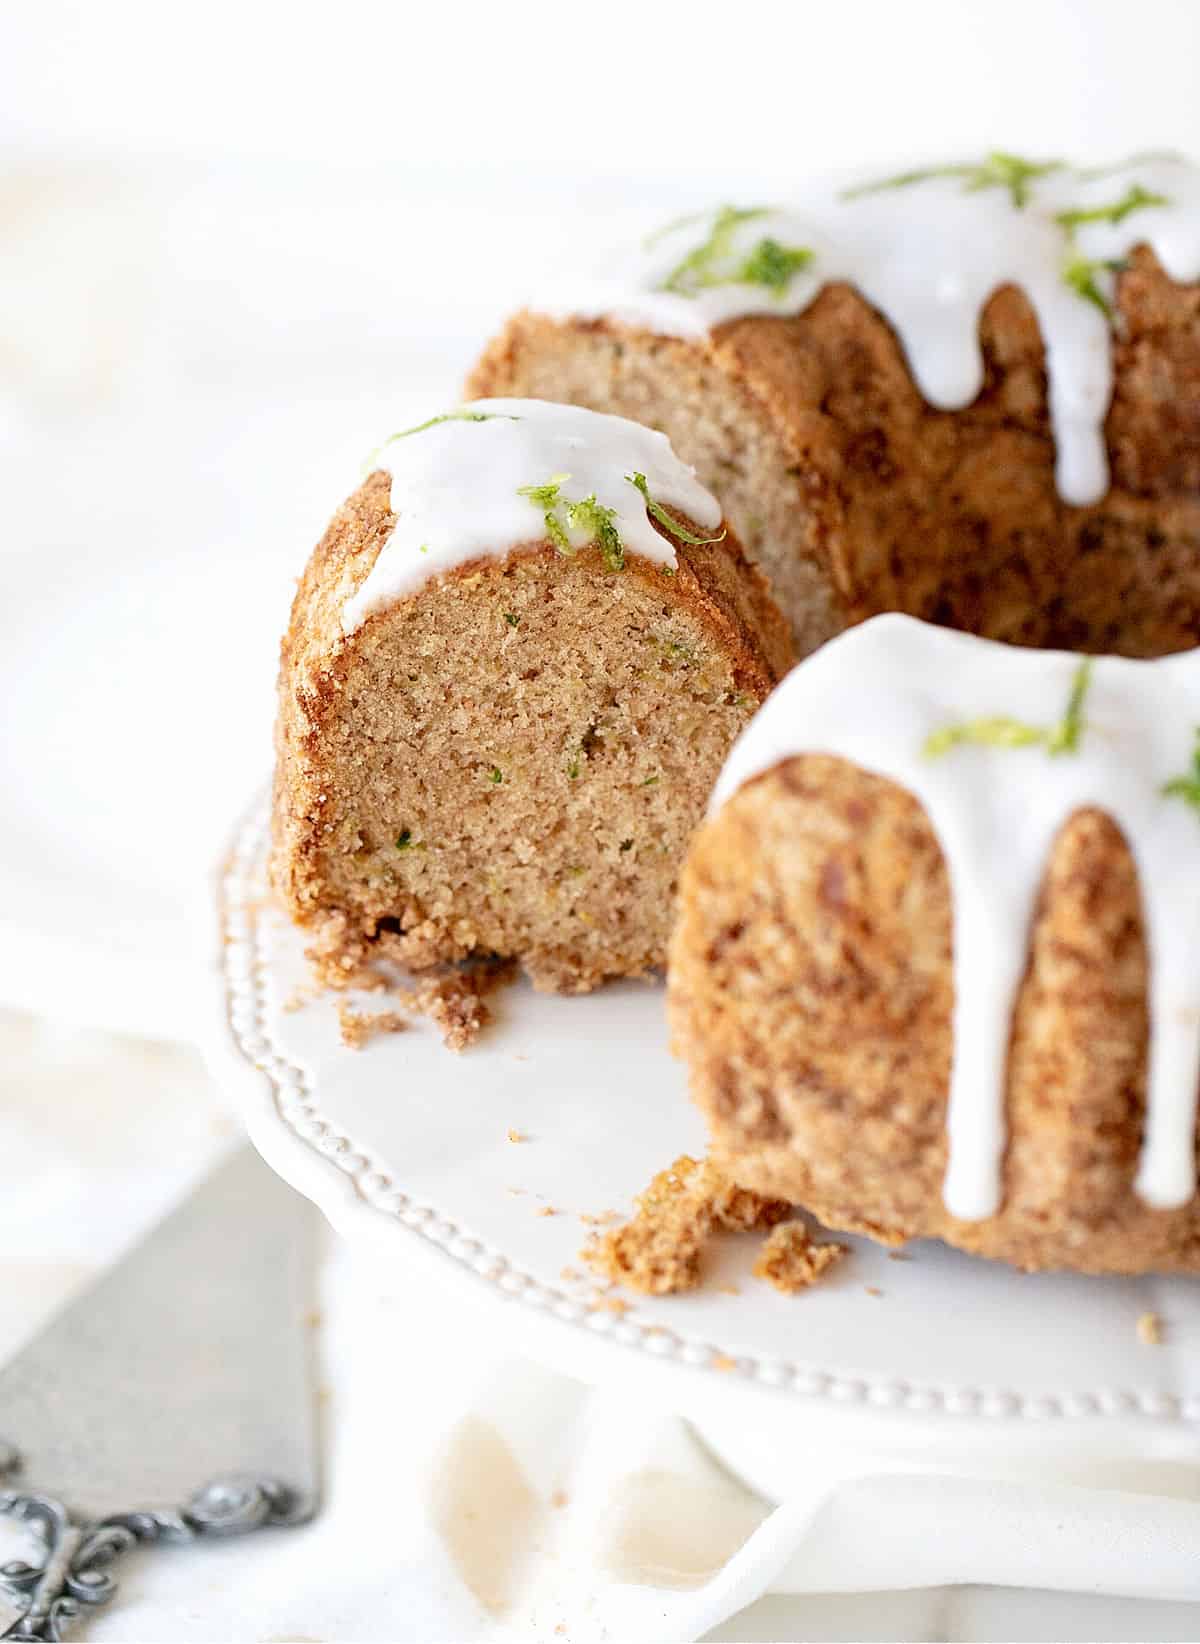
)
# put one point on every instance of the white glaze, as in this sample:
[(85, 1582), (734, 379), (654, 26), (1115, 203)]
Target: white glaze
[(873, 696), (456, 490), (928, 256)]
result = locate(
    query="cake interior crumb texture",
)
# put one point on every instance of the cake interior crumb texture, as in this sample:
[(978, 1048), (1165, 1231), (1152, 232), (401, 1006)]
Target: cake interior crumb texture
[(856, 496), (510, 761)]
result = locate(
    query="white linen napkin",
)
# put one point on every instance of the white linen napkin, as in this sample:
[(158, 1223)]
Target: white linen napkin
[(473, 1496)]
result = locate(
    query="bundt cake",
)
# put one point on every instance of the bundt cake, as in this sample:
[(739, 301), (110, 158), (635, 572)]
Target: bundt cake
[(515, 664), (912, 394), (937, 964)]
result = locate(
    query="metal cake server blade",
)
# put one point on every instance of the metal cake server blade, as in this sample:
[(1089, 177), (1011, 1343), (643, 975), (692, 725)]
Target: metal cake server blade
[(174, 1399)]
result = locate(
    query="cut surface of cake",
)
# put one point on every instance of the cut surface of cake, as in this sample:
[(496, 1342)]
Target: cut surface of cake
[(937, 965), (515, 664), (968, 392)]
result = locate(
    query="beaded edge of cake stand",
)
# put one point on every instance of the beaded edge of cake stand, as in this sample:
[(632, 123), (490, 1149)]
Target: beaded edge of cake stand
[(296, 1103)]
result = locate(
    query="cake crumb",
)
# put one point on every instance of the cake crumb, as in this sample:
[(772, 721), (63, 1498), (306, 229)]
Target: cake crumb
[(359, 1027), (792, 1260), (548, 1210), (570, 1274), (454, 1004), (558, 1498), (298, 998), (516, 1136), (898, 1256), (872, 1290), (1150, 1329), (729, 1290), (452, 999), (658, 1251), (722, 1361), (608, 1304)]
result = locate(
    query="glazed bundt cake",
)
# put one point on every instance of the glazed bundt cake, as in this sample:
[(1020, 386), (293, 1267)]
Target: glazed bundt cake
[(970, 393), (515, 664), (937, 964), (936, 969)]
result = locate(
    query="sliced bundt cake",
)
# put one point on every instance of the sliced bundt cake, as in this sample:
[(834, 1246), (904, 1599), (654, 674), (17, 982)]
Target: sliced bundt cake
[(937, 966), (515, 664), (913, 394)]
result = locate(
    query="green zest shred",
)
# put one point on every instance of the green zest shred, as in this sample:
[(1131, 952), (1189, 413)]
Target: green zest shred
[(512, 619), (1080, 273), (1187, 787), (996, 731), (546, 498), (996, 170), (669, 523), (406, 842), (1001, 731), (462, 415), (495, 774), (1064, 737), (1135, 198), (672, 227), (587, 514), (600, 522), (769, 263), (697, 269), (773, 265)]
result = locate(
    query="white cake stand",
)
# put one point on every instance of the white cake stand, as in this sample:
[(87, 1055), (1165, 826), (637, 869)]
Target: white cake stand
[(957, 1366)]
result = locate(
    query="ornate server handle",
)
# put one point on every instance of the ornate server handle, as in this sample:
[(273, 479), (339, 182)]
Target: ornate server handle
[(74, 1563)]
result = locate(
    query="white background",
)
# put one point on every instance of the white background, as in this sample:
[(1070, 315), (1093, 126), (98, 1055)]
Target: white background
[(239, 243)]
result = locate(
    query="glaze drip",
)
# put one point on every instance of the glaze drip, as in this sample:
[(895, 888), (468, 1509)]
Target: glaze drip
[(482, 480), (881, 695), (928, 248)]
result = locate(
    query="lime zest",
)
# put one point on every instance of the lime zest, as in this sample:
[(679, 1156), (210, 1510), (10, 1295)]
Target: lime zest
[(658, 512), (998, 169), (463, 414), (600, 522), (1003, 731), (1187, 787), (585, 514), (697, 269), (773, 265), (546, 497), (1135, 198)]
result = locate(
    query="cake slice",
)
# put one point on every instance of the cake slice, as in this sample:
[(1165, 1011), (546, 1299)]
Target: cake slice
[(515, 663), (937, 965)]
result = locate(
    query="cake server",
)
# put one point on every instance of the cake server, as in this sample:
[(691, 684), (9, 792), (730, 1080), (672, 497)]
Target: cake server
[(173, 1400)]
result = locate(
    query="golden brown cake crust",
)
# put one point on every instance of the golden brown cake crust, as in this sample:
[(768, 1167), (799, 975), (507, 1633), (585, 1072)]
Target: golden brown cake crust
[(810, 993), (464, 774), (858, 497)]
